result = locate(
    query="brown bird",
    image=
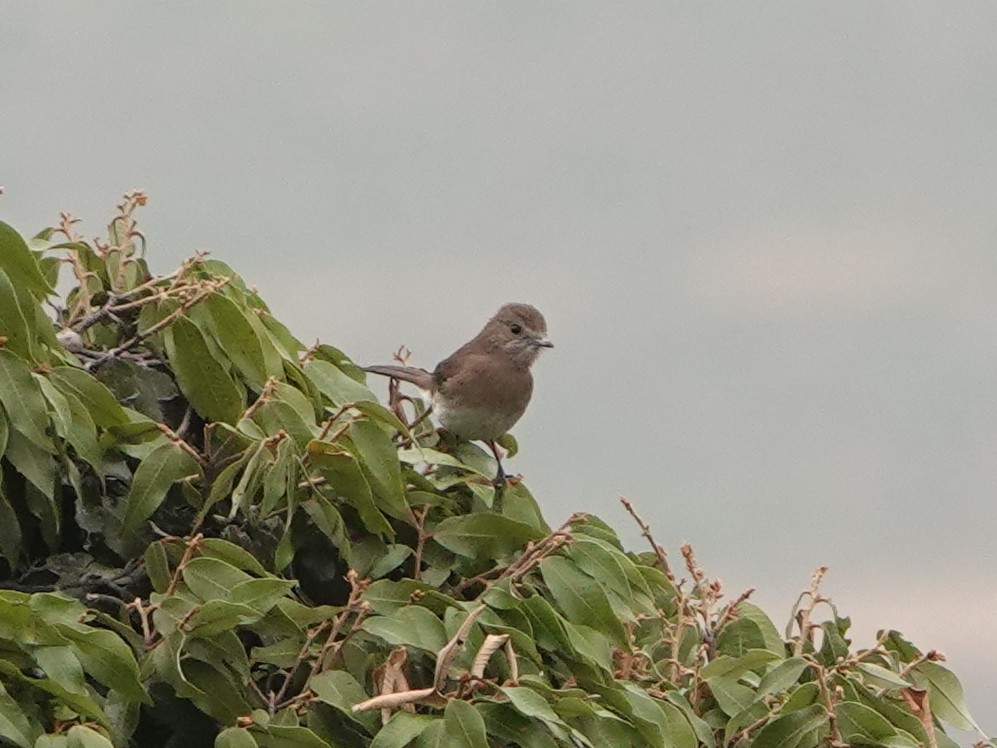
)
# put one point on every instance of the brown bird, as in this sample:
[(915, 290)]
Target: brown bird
[(483, 388)]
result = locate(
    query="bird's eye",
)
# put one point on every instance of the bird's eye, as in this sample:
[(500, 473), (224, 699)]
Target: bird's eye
[(516, 328)]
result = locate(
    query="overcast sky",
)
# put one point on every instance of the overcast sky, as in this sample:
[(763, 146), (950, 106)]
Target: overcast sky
[(763, 236)]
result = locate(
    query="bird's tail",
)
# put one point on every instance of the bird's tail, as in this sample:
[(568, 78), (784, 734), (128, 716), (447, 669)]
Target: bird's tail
[(419, 377)]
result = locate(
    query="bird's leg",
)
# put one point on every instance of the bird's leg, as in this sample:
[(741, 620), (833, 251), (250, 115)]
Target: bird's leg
[(500, 473)]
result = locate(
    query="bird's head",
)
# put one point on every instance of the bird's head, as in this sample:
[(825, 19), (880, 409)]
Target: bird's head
[(520, 331)]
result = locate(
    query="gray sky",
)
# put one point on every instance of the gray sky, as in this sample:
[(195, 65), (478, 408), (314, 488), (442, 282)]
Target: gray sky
[(763, 236)]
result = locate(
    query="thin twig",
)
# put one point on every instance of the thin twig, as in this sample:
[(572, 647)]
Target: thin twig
[(645, 530)]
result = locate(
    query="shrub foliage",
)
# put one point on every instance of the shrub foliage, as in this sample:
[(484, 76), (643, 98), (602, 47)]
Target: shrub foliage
[(211, 534)]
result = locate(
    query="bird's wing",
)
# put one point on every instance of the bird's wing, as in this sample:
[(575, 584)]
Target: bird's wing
[(419, 377)]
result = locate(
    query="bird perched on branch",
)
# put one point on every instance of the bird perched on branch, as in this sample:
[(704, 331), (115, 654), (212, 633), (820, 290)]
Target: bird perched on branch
[(483, 388)]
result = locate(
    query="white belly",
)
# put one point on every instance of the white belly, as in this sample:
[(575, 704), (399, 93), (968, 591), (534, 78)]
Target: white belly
[(474, 423)]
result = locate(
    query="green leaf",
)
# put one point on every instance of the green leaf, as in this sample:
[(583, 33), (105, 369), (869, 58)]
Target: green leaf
[(463, 726), (232, 554), (487, 536), (10, 531), (82, 433), (235, 737), (80, 703), (157, 566), (732, 696), (881, 677), (33, 462), (861, 725), (41, 504), (232, 330), (386, 596), (412, 626), (735, 667), (63, 667), (99, 401), (278, 414), (945, 693), (17, 319), (217, 616), (401, 729), (782, 677), (164, 466), (678, 730), (260, 594), (418, 455), (22, 399), (336, 385), (379, 414), (107, 658), (211, 578), (771, 640), (379, 460), (339, 689), (80, 736), (20, 263), (14, 723), (786, 730), (581, 598), (343, 474), (531, 704), (203, 380)]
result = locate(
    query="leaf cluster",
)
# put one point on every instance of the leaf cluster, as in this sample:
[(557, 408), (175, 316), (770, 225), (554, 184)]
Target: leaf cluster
[(211, 534)]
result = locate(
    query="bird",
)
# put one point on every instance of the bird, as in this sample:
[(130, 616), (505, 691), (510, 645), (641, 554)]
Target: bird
[(482, 389)]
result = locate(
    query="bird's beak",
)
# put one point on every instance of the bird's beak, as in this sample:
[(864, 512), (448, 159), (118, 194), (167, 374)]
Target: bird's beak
[(542, 343)]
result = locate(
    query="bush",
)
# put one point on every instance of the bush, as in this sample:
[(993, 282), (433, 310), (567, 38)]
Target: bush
[(213, 535)]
